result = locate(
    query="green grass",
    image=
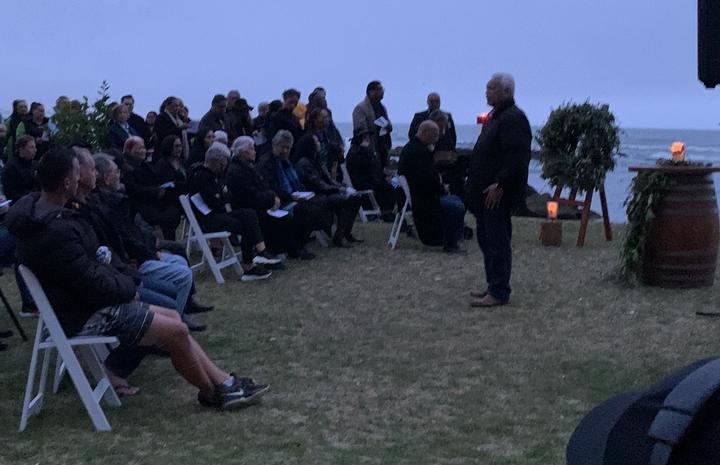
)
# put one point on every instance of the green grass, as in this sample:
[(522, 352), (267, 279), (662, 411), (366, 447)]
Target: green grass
[(374, 356)]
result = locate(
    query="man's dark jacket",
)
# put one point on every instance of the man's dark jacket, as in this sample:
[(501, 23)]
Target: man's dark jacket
[(213, 121), (364, 168), (247, 188), (141, 127), (417, 165), (501, 155), (204, 182), (19, 178), (284, 119), (60, 249), (448, 141)]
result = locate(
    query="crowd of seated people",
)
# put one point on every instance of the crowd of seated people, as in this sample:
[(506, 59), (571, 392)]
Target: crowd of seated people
[(99, 230)]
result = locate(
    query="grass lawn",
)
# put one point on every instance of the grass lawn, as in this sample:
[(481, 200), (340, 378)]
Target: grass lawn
[(374, 356)]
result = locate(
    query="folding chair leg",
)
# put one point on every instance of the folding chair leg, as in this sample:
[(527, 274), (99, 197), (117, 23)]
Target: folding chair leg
[(13, 317), (95, 365), (29, 387), (59, 373), (227, 246), (397, 226), (86, 393)]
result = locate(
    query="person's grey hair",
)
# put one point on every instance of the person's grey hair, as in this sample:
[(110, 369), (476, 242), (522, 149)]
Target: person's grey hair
[(263, 105), (103, 163), (84, 155), (217, 151), (426, 125), (221, 136), (283, 135), (507, 82), (242, 144), (438, 115)]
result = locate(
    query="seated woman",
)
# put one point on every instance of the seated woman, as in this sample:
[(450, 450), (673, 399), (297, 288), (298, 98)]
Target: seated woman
[(201, 143), (248, 189), (168, 167), (315, 176), (120, 130), (366, 173), (155, 204), (204, 180), (280, 175), (19, 176)]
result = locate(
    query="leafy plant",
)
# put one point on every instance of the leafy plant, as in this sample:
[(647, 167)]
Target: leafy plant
[(577, 145), (84, 123)]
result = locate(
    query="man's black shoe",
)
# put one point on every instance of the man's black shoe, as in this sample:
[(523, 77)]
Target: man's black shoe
[(353, 240), (454, 250), (192, 324), (243, 392), (194, 307)]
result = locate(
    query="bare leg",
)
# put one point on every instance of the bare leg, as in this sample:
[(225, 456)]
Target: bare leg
[(174, 335), (260, 246)]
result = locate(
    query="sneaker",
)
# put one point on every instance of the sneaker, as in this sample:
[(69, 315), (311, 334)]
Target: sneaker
[(226, 398), (255, 273), (266, 258)]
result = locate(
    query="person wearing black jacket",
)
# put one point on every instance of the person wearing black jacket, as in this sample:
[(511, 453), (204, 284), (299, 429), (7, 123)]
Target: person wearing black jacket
[(136, 121), (168, 121), (168, 167), (438, 216), (247, 189), (204, 182), (120, 130), (315, 176), (91, 297), (155, 204), (215, 117), (284, 118), (448, 138), (18, 179), (366, 173), (497, 180)]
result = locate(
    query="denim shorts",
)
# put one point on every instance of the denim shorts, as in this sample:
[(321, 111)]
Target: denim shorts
[(128, 322)]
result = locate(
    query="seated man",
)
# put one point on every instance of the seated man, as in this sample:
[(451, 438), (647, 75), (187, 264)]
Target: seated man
[(91, 297), (204, 182), (315, 176), (248, 189), (438, 216), (280, 175)]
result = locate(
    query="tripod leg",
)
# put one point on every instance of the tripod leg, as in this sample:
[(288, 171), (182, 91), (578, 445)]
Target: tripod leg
[(12, 315)]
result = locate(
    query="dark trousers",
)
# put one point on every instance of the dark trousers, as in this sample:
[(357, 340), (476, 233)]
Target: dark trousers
[(280, 234), (243, 221), (385, 196), (494, 234), (345, 209), (453, 213)]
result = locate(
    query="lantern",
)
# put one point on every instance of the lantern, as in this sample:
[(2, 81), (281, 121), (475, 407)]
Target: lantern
[(552, 210), (483, 118), (678, 151)]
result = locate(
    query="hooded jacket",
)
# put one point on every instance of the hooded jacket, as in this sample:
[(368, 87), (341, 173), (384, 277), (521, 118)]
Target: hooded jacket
[(60, 248)]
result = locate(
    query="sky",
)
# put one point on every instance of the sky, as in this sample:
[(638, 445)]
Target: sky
[(638, 56)]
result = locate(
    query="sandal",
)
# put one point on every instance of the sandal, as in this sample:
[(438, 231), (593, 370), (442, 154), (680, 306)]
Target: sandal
[(125, 390)]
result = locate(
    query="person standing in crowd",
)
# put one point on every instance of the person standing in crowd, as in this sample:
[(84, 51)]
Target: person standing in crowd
[(497, 180), (120, 130), (215, 117), (18, 115), (284, 118), (366, 173), (150, 119), (232, 97), (238, 121), (61, 103), (168, 122), (262, 142), (202, 142), (318, 99), (18, 178), (448, 138), (37, 127), (371, 115), (136, 121), (438, 216)]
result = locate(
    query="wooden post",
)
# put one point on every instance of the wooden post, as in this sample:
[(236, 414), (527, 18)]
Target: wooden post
[(606, 217), (585, 218)]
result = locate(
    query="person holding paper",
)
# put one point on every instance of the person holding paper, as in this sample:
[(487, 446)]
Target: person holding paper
[(315, 176), (371, 115), (213, 216), (168, 167), (248, 189)]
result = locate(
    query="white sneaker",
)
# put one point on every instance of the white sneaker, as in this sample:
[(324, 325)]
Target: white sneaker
[(255, 273), (266, 258)]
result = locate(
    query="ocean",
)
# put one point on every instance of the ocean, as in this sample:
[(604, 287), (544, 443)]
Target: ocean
[(640, 147)]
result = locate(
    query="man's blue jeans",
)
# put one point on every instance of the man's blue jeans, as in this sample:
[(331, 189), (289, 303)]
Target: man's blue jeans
[(170, 276), (453, 212)]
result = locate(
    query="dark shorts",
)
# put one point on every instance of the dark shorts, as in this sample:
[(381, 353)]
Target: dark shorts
[(128, 322)]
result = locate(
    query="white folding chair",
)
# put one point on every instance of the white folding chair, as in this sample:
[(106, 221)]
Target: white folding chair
[(49, 336), (401, 216), (375, 211), (195, 234)]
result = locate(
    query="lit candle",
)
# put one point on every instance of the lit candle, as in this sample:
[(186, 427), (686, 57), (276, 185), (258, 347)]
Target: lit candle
[(552, 210), (678, 151)]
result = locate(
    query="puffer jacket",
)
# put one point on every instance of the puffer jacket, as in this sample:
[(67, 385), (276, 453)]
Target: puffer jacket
[(60, 248)]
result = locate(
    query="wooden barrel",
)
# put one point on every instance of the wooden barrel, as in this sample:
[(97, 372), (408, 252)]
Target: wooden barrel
[(682, 243)]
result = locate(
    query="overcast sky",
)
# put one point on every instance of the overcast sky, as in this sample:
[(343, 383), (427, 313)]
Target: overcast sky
[(640, 56)]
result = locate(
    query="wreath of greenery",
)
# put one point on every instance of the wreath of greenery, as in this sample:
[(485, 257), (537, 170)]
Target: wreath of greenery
[(577, 145)]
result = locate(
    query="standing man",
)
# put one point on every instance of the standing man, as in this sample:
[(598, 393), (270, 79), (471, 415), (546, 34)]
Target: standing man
[(371, 115), (214, 119), (496, 185), (448, 138), (285, 117), (136, 121)]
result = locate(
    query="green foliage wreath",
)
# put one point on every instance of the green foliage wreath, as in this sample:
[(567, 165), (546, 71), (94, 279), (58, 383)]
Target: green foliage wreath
[(577, 145)]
